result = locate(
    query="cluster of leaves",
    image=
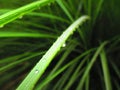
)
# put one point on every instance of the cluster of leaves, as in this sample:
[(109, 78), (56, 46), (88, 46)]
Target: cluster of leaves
[(59, 45)]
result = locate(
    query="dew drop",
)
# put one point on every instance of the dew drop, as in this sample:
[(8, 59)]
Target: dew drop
[(36, 71), (64, 45)]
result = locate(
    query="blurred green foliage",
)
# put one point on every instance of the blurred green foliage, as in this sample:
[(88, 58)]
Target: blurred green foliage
[(19, 55)]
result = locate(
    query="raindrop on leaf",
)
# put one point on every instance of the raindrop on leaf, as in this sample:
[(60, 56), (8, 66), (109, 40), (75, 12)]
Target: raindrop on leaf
[(64, 45), (36, 71)]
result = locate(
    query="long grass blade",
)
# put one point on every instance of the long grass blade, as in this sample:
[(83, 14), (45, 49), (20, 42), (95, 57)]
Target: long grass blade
[(105, 70), (49, 78), (6, 34), (65, 9), (32, 78), (89, 66), (18, 13), (11, 65), (75, 74), (116, 69)]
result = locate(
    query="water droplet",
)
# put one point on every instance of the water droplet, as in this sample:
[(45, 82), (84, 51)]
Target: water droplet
[(36, 71), (1, 26), (64, 45)]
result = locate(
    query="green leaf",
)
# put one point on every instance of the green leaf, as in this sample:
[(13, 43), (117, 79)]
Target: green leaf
[(6, 34), (89, 66), (105, 70), (64, 9), (32, 78), (18, 13)]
